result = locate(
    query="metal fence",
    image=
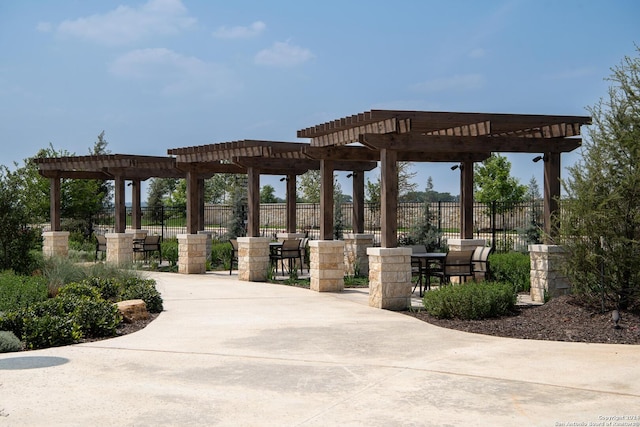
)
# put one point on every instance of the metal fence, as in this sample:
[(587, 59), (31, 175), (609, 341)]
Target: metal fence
[(506, 227)]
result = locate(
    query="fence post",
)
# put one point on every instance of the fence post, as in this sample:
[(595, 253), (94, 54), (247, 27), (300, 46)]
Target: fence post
[(493, 226)]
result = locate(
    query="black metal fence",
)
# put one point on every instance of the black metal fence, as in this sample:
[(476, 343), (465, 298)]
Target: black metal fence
[(506, 227)]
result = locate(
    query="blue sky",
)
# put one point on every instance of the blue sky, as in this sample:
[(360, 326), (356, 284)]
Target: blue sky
[(161, 74)]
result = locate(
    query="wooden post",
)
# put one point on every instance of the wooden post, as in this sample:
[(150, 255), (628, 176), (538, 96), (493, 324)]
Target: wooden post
[(54, 207), (253, 200), (136, 217), (291, 204), (200, 204), (358, 201), (389, 198), (466, 200), (326, 199), (192, 202), (121, 210), (551, 196)]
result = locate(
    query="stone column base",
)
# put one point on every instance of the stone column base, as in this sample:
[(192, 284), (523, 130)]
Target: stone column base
[(191, 253), (390, 278), (547, 277), (55, 243), (119, 248), (327, 265), (355, 253), (253, 259)]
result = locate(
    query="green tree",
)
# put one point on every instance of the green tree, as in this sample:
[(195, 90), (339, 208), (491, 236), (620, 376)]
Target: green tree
[(493, 182), (310, 186), (17, 237), (601, 219), (268, 194)]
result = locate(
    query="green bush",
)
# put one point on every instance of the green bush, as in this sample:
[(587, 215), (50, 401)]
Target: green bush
[(12, 321), (144, 290), (108, 287), (96, 317), (9, 342), (511, 267), (471, 301), (220, 255), (79, 290), (20, 291), (170, 250)]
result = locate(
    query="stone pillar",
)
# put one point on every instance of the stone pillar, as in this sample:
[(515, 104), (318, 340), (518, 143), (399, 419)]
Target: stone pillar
[(464, 245), (546, 272), (208, 244), (355, 253), (191, 253), (119, 248), (253, 258), (390, 278), (327, 265), (137, 234), (55, 243)]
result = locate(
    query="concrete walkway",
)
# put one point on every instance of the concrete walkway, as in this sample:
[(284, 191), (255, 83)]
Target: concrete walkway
[(233, 353)]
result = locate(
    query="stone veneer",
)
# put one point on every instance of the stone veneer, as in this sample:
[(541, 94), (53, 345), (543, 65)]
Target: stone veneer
[(390, 278), (355, 253), (546, 272), (192, 257), (55, 243), (327, 265), (119, 248), (209, 244), (253, 258)]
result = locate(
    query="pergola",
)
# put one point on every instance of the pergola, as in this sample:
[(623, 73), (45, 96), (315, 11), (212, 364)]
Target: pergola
[(256, 158), (422, 136)]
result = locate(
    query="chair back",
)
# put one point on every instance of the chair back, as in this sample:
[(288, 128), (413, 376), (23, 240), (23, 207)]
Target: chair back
[(480, 259), (101, 242), (458, 263), (291, 248), (151, 243), (234, 246), (418, 249)]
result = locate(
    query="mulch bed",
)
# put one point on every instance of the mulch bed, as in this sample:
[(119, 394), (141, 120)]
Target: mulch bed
[(561, 319)]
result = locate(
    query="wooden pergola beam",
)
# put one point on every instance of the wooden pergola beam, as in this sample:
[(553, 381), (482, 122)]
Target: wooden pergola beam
[(450, 144)]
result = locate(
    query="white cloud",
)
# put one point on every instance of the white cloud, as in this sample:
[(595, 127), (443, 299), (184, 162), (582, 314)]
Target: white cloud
[(283, 55), (176, 74), (456, 82), (240, 32), (125, 24)]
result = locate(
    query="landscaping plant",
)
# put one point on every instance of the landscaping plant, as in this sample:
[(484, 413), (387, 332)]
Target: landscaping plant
[(471, 301)]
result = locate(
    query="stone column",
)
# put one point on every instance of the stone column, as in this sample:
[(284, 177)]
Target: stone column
[(253, 258), (208, 244), (464, 245), (327, 265), (119, 248), (55, 243), (390, 278), (355, 253), (191, 253), (546, 272)]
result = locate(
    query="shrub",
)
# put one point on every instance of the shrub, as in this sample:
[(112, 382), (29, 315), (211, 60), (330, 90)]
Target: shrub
[(511, 267), (96, 317), (12, 321), (144, 290), (50, 324), (471, 301), (221, 255), (9, 342), (107, 287), (79, 290), (20, 291), (170, 250)]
